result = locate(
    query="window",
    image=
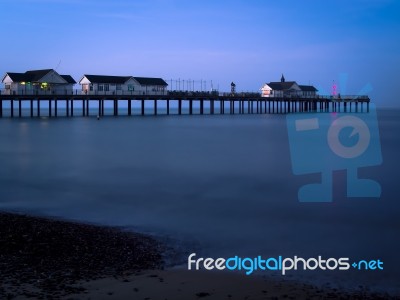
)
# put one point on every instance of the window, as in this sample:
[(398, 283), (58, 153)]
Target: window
[(119, 87), (101, 87), (106, 87), (91, 87), (131, 87)]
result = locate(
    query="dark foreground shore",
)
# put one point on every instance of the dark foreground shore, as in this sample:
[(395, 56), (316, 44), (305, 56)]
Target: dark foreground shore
[(45, 258), (50, 259)]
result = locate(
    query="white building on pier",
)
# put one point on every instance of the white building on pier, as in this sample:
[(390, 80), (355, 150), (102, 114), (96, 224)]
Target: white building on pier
[(37, 82), (287, 89), (122, 85)]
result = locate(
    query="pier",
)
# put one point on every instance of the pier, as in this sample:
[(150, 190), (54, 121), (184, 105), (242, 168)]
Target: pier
[(208, 103)]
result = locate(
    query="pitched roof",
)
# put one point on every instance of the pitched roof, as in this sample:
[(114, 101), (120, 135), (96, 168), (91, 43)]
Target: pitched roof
[(17, 77), (123, 79), (150, 81), (36, 75), (68, 78), (281, 86), (107, 79), (308, 88)]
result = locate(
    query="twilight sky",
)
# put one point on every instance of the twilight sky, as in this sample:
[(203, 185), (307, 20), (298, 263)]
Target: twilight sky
[(248, 42)]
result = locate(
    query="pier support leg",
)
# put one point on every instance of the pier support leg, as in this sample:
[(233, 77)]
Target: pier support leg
[(87, 107), (190, 107), (55, 107), (72, 107), (83, 108), (99, 112), (201, 107), (129, 107), (50, 108), (67, 106), (12, 108), (167, 107), (1, 108), (19, 108), (38, 107), (31, 107), (179, 106), (211, 107), (155, 107)]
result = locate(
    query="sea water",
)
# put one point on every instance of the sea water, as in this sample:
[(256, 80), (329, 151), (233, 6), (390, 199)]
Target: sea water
[(222, 185)]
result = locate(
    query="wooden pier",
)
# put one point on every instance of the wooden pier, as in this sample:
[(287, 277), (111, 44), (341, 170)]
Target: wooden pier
[(226, 104)]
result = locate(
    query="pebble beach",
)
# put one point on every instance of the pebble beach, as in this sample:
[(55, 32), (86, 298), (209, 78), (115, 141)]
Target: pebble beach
[(45, 258)]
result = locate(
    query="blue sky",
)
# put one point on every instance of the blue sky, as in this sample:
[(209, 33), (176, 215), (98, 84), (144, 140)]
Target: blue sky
[(248, 42)]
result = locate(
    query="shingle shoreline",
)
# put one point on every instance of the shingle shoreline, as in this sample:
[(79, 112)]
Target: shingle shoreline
[(44, 258)]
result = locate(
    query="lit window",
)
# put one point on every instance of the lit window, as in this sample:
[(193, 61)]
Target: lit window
[(131, 87)]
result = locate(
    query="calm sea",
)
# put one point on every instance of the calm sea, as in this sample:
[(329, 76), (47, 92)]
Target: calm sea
[(218, 185)]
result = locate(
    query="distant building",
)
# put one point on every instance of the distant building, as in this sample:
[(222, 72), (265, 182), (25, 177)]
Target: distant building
[(122, 85), (287, 89), (37, 82)]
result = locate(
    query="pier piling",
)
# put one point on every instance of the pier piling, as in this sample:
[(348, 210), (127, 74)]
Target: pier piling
[(237, 104)]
